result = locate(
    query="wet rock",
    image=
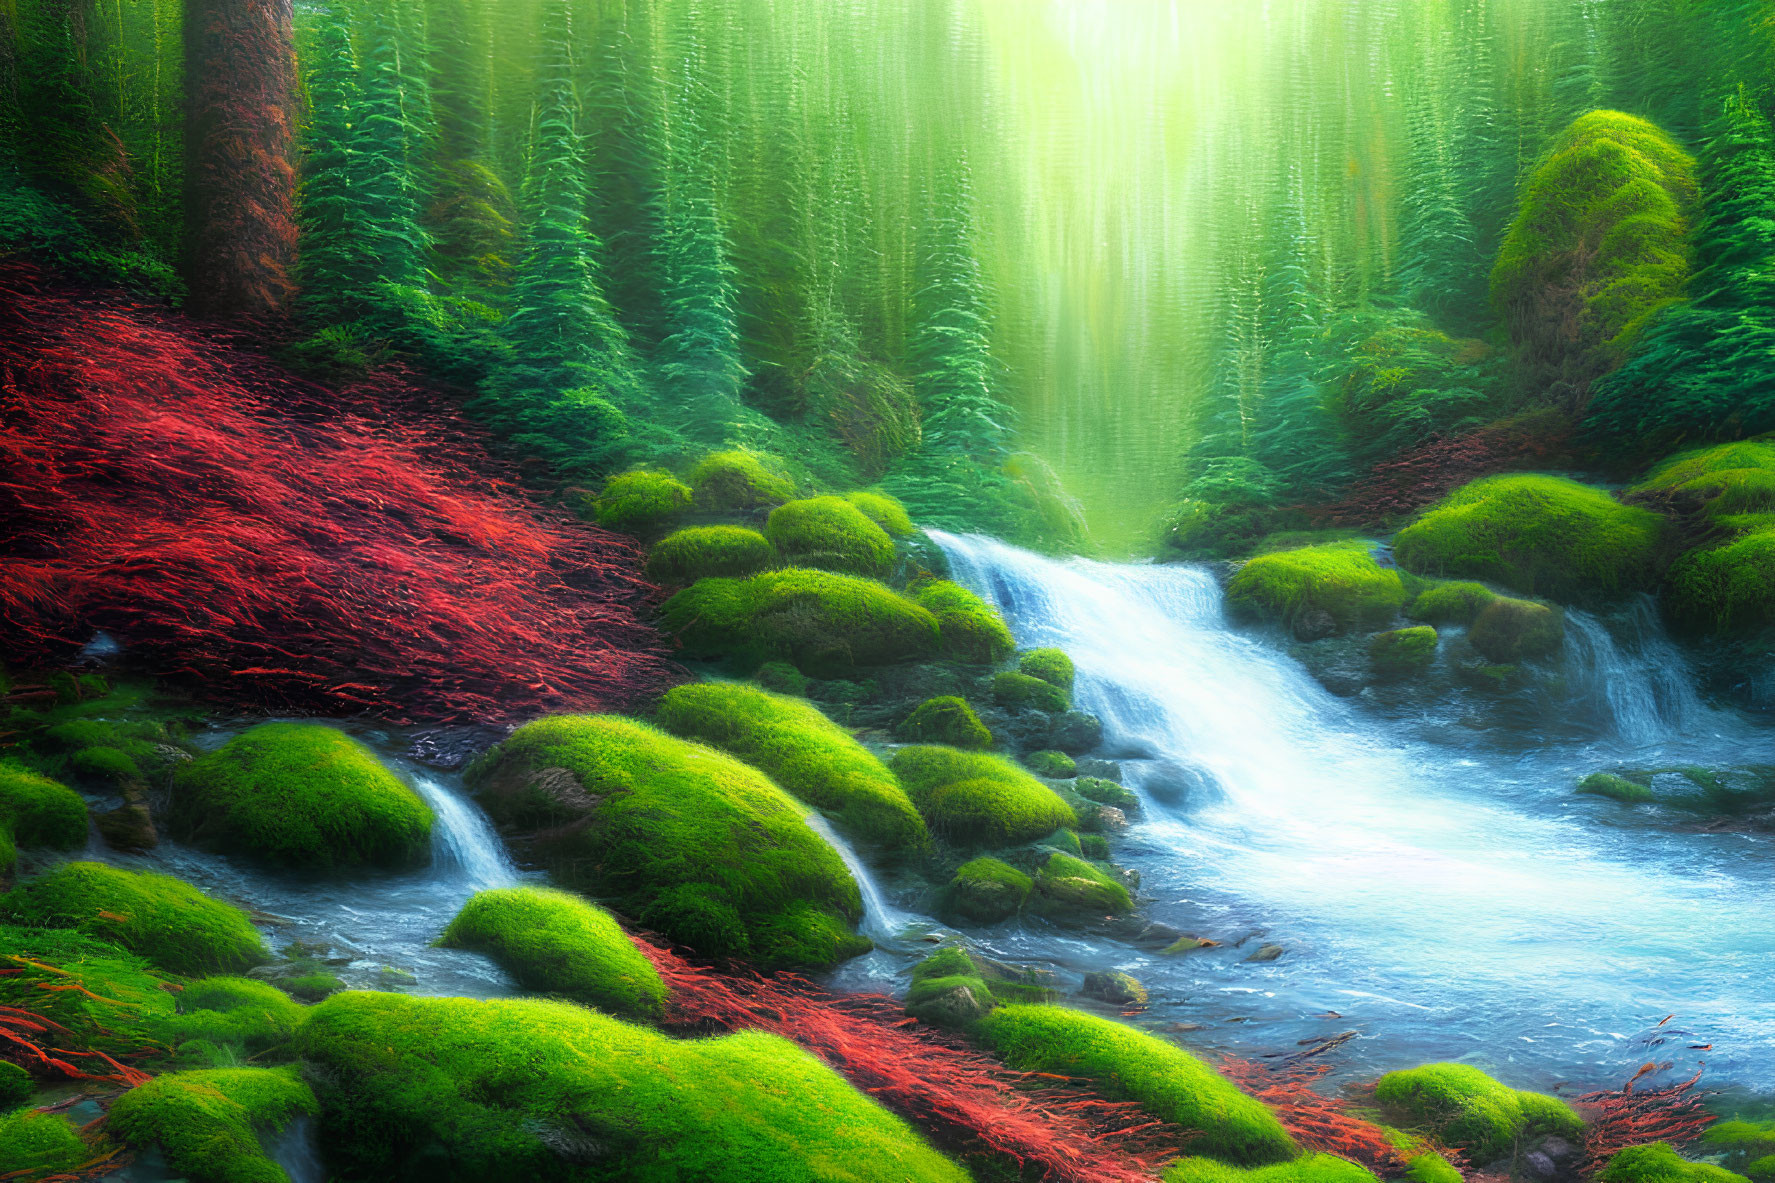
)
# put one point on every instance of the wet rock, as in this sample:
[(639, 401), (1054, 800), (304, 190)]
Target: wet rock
[(1538, 1165), (1105, 792), (1314, 624), (1508, 630), (985, 891), (1111, 819), (1266, 953), (1156, 934), (1115, 988), (128, 828), (1188, 944), (1110, 770), (954, 1004), (1076, 733)]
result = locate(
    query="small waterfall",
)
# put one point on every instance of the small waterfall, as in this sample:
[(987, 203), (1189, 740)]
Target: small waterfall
[(882, 922), (1639, 687), (296, 1150), (463, 842)]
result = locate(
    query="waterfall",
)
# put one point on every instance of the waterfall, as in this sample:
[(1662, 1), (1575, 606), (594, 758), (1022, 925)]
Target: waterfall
[(463, 844), (1643, 691), (882, 922), (296, 1150)]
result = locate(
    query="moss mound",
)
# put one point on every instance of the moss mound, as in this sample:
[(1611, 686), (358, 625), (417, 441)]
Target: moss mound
[(884, 511), (1464, 1108), (121, 1003), (1050, 665), (1309, 1168), (16, 1086), (1018, 691), (978, 799), (1051, 764), (1124, 1062), (1733, 481), (972, 630), (1071, 888), (452, 1088), (557, 943), (1725, 589), (824, 623), (1451, 603), (1106, 792), (1509, 630), (831, 534), (803, 751), (235, 1012), (171, 923), (641, 503), (986, 891), (1338, 581), (1542, 535), (40, 1144), (37, 811), (300, 795), (208, 1121), (1659, 1163), (726, 481), (1618, 788), (685, 556), (947, 719), (1403, 651), (685, 839)]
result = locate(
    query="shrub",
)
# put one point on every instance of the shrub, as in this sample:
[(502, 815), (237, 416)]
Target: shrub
[(685, 839), (1466, 1109), (497, 1087), (1659, 1163), (978, 799), (1403, 651), (972, 630), (171, 923), (1071, 887), (37, 811), (300, 795), (1310, 1168), (1124, 1062), (1618, 788), (726, 481), (947, 719), (641, 503), (1053, 765), (1340, 580), (986, 891), (556, 942), (1050, 665), (238, 1012), (685, 556), (831, 534), (208, 1121), (1541, 535), (1450, 603), (1017, 691), (39, 1143), (1509, 630), (16, 1086), (884, 511)]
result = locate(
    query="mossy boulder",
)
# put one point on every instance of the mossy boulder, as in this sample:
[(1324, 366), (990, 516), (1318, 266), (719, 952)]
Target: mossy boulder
[(1068, 888), (1126, 1063), (1658, 1162), (1728, 588), (1052, 666), (417, 1090), (169, 922), (1402, 652), (1106, 792), (1052, 764), (1509, 630), (1114, 987), (686, 840), (1617, 788), (300, 795), (830, 534), (34, 1144), (723, 482), (1451, 603), (641, 503), (1019, 691), (1734, 483), (986, 891), (1318, 590), (948, 990), (946, 719), (884, 511), (780, 677), (826, 624), (685, 556), (1309, 1168), (971, 629), (555, 942), (16, 1086), (209, 1122), (123, 1004), (241, 1013), (1542, 535), (1752, 1139), (37, 811), (1464, 1108), (804, 752), (972, 798)]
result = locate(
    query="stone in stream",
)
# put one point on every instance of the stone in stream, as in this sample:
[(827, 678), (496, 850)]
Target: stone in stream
[(1266, 953), (1115, 988)]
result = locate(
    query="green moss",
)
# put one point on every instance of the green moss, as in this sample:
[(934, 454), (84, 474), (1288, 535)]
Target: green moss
[(1065, 841), (1508, 630), (946, 719), (1451, 603), (556, 942), (1542, 535), (685, 556), (986, 891), (1018, 691), (831, 534), (1106, 792), (1726, 588), (782, 678), (826, 624), (1761, 1168), (36, 811), (16, 1086), (300, 795), (106, 765), (641, 503), (171, 923), (1753, 1137), (1340, 580), (1659, 1163), (1403, 651), (208, 1121), (1619, 788), (1431, 1168), (726, 481), (123, 1002), (235, 1012), (972, 630), (39, 1143), (1070, 887), (428, 1088), (1309, 1168), (1053, 765), (978, 799), (313, 987), (685, 839), (884, 511), (803, 751), (1730, 479), (1124, 1062), (1050, 665), (1468, 1110)]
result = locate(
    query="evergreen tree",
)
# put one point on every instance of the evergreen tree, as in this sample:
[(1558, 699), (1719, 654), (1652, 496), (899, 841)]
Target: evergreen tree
[(385, 146), (336, 268)]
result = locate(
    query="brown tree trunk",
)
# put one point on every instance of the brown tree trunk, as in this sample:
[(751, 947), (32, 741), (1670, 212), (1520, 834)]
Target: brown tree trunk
[(240, 175)]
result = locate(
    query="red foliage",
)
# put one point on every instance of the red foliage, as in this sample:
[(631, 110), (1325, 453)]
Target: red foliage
[(929, 1077), (271, 543), (1628, 1116), (1317, 1120)]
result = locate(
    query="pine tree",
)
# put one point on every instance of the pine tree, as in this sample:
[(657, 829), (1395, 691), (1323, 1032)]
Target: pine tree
[(385, 146), (336, 268)]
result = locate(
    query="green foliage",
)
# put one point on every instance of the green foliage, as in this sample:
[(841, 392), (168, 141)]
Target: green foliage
[(1051, 764), (497, 1085), (1659, 1163), (1409, 384), (300, 795), (16, 1086), (1341, 580), (986, 891), (1403, 651), (1541, 535), (1450, 603), (122, 1004), (973, 798), (1071, 887), (804, 752), (557, 943), (208, 1121), (946, 719), (641, 502), (169, 922), (1050, 665), (1618, 788), (685, 556), (37, 811), (40, 1143), (884, 511), (1509, 630), (1018, 691), (1309, 1168), (782, 678), (1124, 1062), (738, 480), (234, 1012), (971, 629), (686, 840), (1468, 1110), (831, 534)]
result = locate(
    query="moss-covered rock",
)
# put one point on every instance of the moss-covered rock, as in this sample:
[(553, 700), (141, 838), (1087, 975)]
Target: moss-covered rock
[(208, 1122), (171, 923), (1509, 630), (1309, 1168), (723, 482), (641, 503), (1318, 590), (234, 1012), (978, 799), (123, 1002), (986, 891), (780, 677), (428, 1089), (1019, 691), (946, 719), (1618, 788), (971, 629), (1106, 792), (1050, 665), (1541, 535), (1072, 889), (1658, 1162), (1752, 1139), (1464, 1108), (804, 752), (1124, 1062), (1735, 483), (37, 811), (1431, 1167), (826, 624), (830, 534), (1727, 588), (34, 1144), (300, 795), (1451, 603), (884, 511), (697, 552), (1052, 764), (685, 839), (1114, 987), (16, 1086), (1402, 652), (557, 943)]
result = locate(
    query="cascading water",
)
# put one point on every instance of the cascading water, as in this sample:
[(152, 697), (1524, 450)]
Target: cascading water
[(882, 922), (1439, 898)]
